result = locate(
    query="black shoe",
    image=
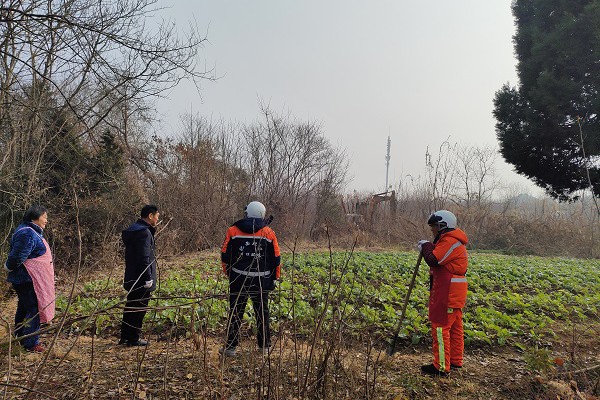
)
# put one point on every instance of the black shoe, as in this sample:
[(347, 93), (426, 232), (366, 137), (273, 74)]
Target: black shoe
[(453, 366), (132, 343), (227, 351), (430, 369)]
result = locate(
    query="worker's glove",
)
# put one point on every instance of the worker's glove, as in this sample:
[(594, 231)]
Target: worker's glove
[(421, 243), (148, 284)]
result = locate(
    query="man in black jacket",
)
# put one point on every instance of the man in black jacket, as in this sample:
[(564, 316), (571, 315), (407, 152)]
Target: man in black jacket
[(140, 274)]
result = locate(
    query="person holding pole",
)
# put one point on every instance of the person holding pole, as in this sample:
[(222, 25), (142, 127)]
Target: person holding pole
[(140, 274), (448, 262)]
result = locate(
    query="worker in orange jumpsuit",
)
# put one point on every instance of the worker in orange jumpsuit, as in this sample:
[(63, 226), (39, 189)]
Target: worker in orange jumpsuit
[(447, 260)]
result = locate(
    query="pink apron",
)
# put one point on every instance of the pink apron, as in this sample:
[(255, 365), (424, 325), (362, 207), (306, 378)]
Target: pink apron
[(41, 270)]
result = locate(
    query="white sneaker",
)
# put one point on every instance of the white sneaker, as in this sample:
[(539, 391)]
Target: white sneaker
[(228, 351)]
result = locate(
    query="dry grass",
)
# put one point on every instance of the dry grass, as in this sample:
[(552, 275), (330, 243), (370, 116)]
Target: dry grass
[(82, 367)]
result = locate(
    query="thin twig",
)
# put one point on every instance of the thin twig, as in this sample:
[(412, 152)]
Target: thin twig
[(29, 390), (588, 369), (587, 169), (70, 300), (9, 357)]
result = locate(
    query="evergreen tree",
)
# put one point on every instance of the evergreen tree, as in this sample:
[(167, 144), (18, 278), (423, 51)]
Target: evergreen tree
[(549, 126), (109, 165)]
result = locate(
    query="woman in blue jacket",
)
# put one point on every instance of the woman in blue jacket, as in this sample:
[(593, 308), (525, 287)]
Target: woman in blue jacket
[(27, 243)]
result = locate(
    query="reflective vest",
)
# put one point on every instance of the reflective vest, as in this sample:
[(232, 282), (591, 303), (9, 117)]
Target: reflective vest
[(251, 250), (449, 286)]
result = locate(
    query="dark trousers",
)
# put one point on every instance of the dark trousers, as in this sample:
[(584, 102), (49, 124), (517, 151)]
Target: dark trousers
[(27, 317), (133, 314), (237, 306)]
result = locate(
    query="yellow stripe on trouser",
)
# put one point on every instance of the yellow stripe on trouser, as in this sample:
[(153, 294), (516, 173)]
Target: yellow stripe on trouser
[(441, 355)]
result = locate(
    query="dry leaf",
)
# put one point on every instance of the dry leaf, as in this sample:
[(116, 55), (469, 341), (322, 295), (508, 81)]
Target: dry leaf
[(559, 361)]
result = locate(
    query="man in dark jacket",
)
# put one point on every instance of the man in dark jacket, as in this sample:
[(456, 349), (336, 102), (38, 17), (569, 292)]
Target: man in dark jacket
[(140, 274), (251, 259)]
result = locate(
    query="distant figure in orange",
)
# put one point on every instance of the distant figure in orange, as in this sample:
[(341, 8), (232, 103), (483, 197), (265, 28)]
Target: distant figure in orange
[(448, 262)]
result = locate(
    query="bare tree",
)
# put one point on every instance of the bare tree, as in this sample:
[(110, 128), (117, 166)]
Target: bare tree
[(86, 52), (291, 164), (199, 173), (72, 71), (475, 178), (440, 175)]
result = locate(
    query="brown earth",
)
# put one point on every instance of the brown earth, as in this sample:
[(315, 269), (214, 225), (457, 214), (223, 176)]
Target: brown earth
[(97, 368), (85, 367)]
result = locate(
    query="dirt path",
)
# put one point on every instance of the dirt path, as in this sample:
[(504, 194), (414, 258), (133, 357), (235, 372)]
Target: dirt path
[(97, 368)]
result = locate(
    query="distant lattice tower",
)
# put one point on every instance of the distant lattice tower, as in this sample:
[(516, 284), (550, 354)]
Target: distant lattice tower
[(387, 162)]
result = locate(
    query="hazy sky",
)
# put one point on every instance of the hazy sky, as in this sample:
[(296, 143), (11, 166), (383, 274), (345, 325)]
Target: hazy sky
[(421, 72)]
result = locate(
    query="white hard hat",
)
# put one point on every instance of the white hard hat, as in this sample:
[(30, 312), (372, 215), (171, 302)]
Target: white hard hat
[(255, 209), (443, 219)]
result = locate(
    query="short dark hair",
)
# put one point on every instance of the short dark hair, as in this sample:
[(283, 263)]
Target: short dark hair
[(34, 212), (147, 210)]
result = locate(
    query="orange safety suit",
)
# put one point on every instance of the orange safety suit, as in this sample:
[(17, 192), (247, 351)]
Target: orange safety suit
[(447, 260)]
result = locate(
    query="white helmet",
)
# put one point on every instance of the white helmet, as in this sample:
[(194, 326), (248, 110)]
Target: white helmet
[(255, 209), (443, 219)]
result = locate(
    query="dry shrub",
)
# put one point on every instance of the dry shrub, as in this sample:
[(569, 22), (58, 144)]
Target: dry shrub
[(544, 234)]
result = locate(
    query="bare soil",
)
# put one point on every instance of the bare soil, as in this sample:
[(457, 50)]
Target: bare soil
[(97, 368), (85, 367)]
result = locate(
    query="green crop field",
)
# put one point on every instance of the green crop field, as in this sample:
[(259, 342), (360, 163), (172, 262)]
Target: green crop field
[(514, 301)]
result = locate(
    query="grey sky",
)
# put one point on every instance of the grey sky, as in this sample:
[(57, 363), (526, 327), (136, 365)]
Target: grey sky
[(420, 71)]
